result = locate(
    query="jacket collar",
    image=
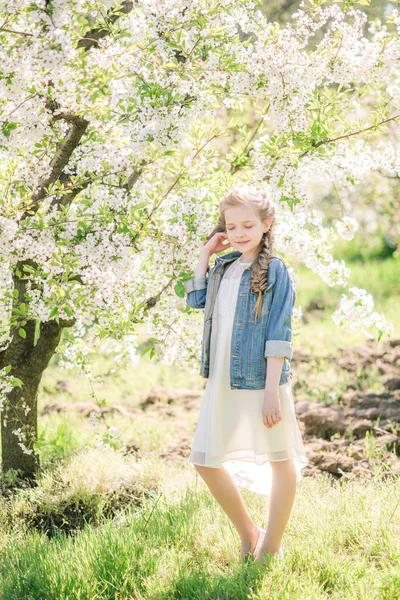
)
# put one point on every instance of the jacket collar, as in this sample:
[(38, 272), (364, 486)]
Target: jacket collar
[(227, 258)]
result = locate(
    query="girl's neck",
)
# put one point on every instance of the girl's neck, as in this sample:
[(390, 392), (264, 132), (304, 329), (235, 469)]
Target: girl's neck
[(246, 258)]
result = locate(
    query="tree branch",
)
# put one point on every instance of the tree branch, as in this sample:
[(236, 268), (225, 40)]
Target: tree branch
[(246, 149), (61, 159), (78, 124), (16, 32), (347, 135), (97, 33)]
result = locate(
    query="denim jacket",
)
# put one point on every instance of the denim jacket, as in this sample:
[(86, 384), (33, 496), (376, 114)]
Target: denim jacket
[(252, 341)]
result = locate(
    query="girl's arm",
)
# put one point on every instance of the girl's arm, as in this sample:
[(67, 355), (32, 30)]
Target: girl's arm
[(271, 409), (274, 370), (196, 288)]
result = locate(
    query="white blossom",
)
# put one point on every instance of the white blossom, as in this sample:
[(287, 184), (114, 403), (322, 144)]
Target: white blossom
[(155, 95), (347, 227)]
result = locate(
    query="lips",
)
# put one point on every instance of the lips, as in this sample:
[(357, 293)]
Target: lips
[(243, 242)]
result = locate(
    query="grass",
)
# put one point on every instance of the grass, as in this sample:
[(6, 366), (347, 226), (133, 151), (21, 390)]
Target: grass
[(105, 523), (341, 543)]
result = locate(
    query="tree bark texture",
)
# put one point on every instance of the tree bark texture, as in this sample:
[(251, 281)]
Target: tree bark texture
[(28, 362)]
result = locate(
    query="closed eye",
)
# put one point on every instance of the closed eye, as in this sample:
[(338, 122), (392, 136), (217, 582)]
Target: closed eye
[(246, 227)]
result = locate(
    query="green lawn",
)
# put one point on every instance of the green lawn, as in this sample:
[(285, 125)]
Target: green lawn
[(145, 527), (341, 542)]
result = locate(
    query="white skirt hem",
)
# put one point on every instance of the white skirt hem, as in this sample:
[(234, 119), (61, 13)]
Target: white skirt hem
[(254, 476)]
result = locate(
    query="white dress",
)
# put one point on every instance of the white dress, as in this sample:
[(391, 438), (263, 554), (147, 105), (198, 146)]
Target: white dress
[(230, 428)]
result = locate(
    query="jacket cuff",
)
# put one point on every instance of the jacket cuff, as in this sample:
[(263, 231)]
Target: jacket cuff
[(278, 348), (196, 283)]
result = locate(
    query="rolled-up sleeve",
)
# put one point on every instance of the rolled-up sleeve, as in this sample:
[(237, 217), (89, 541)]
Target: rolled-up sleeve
[(278, 341), (196, 289)]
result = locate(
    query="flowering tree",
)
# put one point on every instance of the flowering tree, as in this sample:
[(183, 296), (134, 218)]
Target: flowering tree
[(123, 124)]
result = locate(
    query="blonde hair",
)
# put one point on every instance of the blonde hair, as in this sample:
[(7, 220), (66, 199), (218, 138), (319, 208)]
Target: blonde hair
[(264, 208)]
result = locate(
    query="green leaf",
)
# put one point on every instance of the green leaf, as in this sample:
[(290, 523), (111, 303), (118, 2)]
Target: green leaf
[(146, 349), (139, 205), (179, 289), (17, 382), (54, 311), (22, 332), (8, 127), (37, 332)]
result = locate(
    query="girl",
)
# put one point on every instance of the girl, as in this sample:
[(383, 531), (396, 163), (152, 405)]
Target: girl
[(247, 419)]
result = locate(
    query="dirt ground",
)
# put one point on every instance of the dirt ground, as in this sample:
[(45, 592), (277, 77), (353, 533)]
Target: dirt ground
[(351, 433), (355, 435)]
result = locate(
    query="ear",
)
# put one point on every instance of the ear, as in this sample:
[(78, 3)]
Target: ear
[(267, 223)]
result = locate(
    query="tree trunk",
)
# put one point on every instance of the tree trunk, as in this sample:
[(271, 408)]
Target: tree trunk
[(27, 360), (28, 363)]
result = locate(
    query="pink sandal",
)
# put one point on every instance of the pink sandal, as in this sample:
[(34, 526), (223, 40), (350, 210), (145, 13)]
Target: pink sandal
[(252, 553), (261, 536), (260, 540)]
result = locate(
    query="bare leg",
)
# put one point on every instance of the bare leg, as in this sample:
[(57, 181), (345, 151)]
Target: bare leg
[(226, 492), (282, 498)]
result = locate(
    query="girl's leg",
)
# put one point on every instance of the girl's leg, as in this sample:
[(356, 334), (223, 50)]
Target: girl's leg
[(282, 498), (226, 492)]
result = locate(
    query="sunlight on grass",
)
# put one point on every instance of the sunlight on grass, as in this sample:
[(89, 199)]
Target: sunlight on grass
[(103, 523), (341, 541)]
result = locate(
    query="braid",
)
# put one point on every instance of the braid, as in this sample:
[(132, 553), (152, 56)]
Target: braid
[(259, 268)]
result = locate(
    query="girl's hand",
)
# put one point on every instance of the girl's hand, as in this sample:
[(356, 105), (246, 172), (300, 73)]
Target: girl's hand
[(215, 243), (271, 410)]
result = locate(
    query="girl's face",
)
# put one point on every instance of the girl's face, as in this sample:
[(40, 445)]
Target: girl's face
[(243, 225)]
